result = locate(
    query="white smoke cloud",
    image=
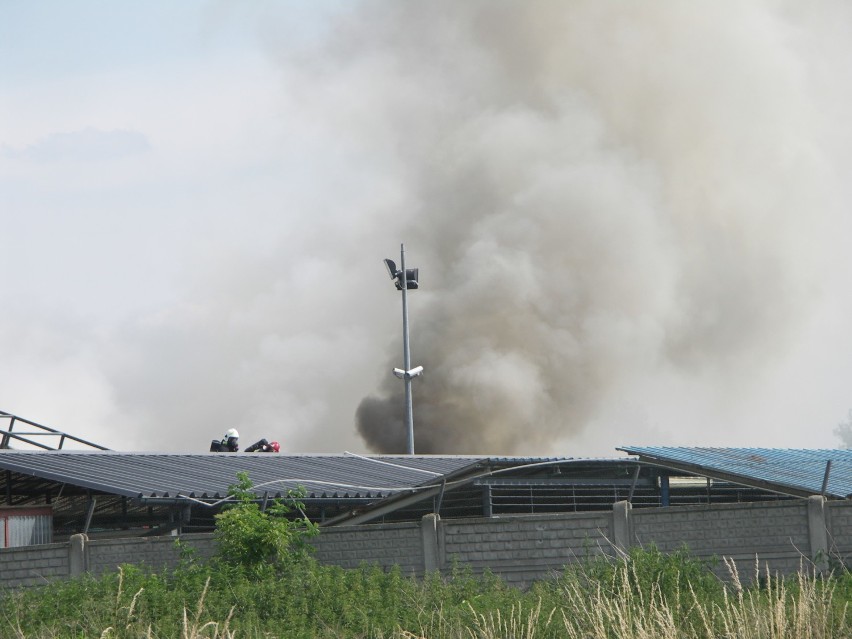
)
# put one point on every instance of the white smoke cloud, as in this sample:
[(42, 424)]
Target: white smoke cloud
[(628, 221)]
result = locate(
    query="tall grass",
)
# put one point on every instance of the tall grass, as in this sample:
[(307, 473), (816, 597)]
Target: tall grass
[(800, 607), (645, 595)]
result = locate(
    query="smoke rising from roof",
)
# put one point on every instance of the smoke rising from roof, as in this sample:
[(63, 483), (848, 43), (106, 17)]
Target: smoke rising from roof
[(628, 219), (600, 192)]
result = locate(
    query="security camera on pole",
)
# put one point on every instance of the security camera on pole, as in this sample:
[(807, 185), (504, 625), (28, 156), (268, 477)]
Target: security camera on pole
[(405, 279)]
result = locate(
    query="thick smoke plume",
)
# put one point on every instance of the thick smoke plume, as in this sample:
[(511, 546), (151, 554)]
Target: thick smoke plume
[(597, 192), (629, 220)]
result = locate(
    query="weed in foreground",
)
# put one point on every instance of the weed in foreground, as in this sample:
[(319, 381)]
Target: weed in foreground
[(647, 596)]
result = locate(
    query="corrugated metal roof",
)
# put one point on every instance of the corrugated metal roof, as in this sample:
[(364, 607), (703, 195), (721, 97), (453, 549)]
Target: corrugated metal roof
[(207, 475), (791, 471)]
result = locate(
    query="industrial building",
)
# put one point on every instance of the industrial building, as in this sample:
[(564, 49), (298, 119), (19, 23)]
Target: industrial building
[(50, 493)]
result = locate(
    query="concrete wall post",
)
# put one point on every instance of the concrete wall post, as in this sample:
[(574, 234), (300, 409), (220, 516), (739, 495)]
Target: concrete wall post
[(78, 561), (817, 532), (621, 526), (429, 536)]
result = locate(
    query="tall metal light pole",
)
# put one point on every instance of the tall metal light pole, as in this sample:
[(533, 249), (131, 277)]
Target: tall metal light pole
[(405, 279)]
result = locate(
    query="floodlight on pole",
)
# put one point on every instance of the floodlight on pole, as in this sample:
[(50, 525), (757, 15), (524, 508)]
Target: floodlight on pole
[(405, 279)]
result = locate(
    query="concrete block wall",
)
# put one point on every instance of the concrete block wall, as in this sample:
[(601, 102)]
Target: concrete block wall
[(526, 548), (520, 549), (106, 555), (33, 565), (840, 531), (383, 544), (778, 533)]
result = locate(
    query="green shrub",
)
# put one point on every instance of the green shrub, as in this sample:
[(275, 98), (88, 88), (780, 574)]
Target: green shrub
[(673, 574), (261, 539)]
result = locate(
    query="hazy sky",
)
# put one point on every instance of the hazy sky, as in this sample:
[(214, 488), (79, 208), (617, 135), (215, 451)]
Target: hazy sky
[(632, 222)]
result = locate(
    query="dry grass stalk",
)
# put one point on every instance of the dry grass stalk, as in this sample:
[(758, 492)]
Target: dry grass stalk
[(517, 625), (194, 631)]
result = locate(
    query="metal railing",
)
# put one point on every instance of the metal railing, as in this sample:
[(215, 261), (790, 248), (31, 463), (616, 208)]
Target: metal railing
[(42, 434)]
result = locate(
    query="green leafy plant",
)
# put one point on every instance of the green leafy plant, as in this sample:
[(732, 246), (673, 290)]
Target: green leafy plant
[(256, 538)]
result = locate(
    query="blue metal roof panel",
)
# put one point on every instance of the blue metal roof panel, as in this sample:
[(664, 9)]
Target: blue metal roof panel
[(800, 470)]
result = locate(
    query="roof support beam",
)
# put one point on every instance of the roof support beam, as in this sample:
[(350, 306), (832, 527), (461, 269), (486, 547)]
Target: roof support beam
[(748, 482), (440, 497), (92, 503), (487, 504), (633, 483), (825, 477), (353, 518)]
